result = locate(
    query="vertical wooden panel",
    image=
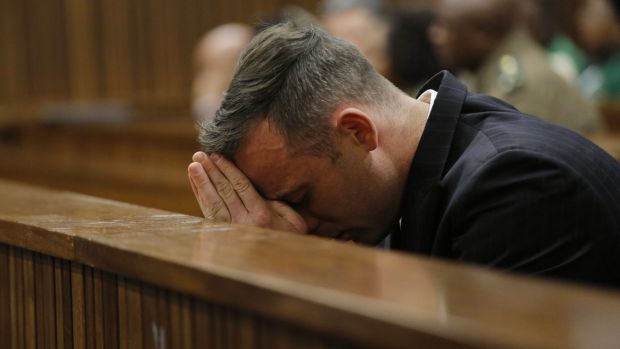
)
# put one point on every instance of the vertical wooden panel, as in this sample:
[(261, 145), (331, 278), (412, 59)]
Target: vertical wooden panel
[(169, 43), (78, 311), (186, 38), (110, 311), (228, 326), (67, 304), (98, 324), (134, 309), (186, 324), (179, 321), (82, 48), (17, 294), (29, 301), (163, 318), (219, 337), (138, 51), (123, 320), (59, 291), (50, 310), (247, 335), (90, 334), (5, 298), (201, 325), (45, 41), (141, 73), (175, 321), (13, 302), (129, 314), (45, 302), (13, 53), (156, 36), (116, 48), (151, 331)]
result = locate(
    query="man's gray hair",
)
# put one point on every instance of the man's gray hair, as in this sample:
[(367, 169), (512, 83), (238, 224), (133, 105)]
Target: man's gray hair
[(335, 6), (295, 78)]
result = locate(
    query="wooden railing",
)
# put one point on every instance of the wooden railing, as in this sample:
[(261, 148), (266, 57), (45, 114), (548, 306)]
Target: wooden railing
[(139, 161), (83, 272)]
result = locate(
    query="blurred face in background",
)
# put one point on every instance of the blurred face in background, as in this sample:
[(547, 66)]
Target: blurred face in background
[(365, 31), (458, 42), (597, 29), (216, 57), (467, 31)]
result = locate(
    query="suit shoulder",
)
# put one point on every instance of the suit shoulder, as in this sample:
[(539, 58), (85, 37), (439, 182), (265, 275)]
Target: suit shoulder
[(484, 136)]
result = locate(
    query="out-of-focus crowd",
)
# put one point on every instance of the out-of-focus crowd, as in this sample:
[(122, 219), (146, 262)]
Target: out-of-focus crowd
[(551, 58)]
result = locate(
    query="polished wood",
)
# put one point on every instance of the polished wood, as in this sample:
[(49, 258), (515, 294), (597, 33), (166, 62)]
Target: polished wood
[(139, 161), (238, 286)]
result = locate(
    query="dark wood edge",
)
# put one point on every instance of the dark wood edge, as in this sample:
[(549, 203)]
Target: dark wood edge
[(333, 311), (37, 239), (327, 317)]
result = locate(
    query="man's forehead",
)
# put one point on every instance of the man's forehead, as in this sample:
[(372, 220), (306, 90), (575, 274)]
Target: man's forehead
[(264, 158)]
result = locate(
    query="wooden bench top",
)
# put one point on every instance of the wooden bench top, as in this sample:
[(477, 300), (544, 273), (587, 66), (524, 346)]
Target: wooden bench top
[(382, 298)]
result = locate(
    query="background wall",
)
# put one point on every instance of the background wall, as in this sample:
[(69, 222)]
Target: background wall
[(138, 51), (133, 50)]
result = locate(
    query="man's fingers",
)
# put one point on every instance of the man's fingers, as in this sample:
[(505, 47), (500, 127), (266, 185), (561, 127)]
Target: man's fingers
[(224, 188), (240, 183), (210, 202), (290, 219)]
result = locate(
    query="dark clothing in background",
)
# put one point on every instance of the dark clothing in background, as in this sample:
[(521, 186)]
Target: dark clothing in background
[(493, 186)]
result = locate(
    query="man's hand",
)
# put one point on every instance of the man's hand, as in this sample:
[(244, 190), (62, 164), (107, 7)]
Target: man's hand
[(225, 194)]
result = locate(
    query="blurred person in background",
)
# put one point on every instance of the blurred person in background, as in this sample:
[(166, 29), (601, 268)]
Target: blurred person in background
[(218, 51), (588, 46), (544, 22), (365, 24), (215, 59), (410, 52), (485, 41)]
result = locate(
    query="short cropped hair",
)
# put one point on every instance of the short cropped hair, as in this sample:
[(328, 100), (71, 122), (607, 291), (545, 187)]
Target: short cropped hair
[(295, 78)]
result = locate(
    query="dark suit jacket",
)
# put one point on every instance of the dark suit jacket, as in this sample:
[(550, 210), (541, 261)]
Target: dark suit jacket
[(493, 186)]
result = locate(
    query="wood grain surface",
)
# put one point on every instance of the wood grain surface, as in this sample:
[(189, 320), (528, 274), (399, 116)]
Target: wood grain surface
[(145, 278)]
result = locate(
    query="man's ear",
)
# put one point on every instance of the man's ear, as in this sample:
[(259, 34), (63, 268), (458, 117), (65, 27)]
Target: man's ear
[(356, 125)]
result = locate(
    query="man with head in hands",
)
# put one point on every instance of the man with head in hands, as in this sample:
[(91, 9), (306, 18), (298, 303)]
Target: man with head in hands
[(310, 139)]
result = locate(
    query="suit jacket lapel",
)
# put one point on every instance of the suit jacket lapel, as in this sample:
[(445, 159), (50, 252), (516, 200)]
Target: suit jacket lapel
[(428, 165)]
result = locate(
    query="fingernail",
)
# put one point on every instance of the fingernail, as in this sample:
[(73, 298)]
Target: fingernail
[(198, 156), (194, 168), (215, 157)]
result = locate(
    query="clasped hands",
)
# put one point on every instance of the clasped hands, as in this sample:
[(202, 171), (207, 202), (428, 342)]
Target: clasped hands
[(226, 195)]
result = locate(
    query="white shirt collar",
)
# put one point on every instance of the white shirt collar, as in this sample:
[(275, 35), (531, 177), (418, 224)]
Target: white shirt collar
[(428, 97)]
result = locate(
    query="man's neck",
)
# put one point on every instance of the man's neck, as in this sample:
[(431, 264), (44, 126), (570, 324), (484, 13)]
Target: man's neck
[(408, 132)]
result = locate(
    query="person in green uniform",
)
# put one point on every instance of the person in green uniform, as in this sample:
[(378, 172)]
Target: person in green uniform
[(592, 45), (484, 41)]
